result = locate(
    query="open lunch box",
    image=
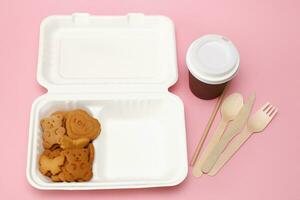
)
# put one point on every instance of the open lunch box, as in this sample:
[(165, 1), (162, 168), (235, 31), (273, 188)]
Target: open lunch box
[(119, 69)]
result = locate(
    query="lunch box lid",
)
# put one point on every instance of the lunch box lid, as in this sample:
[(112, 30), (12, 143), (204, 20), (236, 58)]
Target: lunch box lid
[(82, 53)]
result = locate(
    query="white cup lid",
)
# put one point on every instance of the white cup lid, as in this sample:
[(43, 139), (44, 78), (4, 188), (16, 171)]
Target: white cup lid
[(212, 59)]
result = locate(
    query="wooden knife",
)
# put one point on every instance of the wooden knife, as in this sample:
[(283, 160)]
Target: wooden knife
[(232, 130)]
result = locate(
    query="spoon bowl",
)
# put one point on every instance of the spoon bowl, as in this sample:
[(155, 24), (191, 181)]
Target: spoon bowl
[(231, 106)]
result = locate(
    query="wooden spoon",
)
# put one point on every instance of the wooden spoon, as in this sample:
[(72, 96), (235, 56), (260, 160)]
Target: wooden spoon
[(235, 127), (229, 110)]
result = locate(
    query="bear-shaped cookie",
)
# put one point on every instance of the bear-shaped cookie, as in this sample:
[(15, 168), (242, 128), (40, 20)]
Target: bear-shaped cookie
[(53, 130), (78, 165), (54, 121)]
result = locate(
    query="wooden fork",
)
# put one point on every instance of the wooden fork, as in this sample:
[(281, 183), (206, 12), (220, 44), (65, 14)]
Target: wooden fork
[(257, 123)]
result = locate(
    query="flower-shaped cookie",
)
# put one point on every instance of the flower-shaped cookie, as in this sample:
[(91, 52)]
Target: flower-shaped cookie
[(51, 162)]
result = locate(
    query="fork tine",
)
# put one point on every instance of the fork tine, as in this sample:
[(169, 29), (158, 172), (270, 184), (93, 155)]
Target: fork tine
[(273, 113), (270, 109), (265, 106)]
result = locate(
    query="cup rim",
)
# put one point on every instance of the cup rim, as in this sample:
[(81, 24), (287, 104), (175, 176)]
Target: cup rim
[(223, 78)]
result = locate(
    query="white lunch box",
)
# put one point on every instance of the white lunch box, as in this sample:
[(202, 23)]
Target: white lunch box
[(119, 69)]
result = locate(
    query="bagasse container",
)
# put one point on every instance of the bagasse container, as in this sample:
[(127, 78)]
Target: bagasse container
[(119, 69)]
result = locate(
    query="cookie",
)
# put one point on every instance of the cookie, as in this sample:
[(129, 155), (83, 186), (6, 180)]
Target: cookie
[(51, 166), (78, 165), (52, 153), (54, 121), (80, 124), (53, 137), (53, 130), (63, 176), (69, 153), (68, 143), (63, 114), (55, 147)]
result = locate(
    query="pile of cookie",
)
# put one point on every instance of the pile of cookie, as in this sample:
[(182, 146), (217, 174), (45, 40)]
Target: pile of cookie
[(68, 149)]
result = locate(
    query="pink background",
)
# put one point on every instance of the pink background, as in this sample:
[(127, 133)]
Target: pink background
[(266, 34)]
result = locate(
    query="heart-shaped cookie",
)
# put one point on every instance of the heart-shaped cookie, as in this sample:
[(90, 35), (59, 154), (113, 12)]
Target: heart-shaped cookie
[(80, 124)]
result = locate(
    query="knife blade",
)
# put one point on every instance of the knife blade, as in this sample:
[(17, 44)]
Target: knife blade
[(232, 130)]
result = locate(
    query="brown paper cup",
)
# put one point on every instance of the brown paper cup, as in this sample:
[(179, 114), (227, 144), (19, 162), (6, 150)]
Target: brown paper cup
[(212, 61)]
